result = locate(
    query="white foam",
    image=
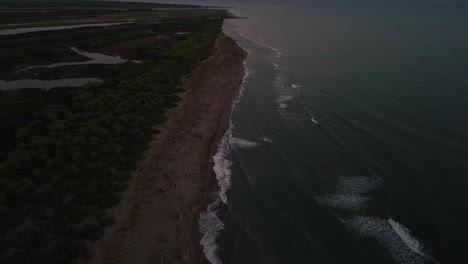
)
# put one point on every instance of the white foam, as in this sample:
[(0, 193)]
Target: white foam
[(279, 80), (247, 73), (211, 226), (358, 185), (210, 223), (222, 165), (405, 235), (296, 86), (242, 143), (282, 106), (314, 121), (282, 101), (384, 233), (284, 98), (277, 51), (350, 193), (348, 202), (267, 140)]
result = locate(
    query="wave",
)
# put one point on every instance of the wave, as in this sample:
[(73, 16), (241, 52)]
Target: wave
[(210, 223), (278, 53), (288, 92), (247, 73), (222, 165), (389, 234), (282, 106), (282, 102), (242, 143), (266, 139), (279, 81), (296, 86), (405, 235), (351, 193), (284, 98), (358, 185), (344, 201), (314, 121)]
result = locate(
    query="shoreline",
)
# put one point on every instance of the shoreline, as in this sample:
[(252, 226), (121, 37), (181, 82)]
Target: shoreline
[(157, 218)]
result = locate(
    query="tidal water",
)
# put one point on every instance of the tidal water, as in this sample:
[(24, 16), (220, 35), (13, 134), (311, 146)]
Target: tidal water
[(95, 58), (16, 31), (46, 84), (349, 142)]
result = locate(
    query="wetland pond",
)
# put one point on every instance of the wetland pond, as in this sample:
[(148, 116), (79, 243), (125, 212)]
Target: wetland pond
[(45, 84), (16, 31)]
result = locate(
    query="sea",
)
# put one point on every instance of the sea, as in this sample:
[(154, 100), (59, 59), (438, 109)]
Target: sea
[(349, 140)]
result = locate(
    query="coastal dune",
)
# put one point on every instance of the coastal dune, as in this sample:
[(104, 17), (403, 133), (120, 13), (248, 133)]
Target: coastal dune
[(157, 219)]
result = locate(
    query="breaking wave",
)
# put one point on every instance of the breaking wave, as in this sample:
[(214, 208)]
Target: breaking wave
[(405, 235), (314, 121), (266, 139), (403, 248), (222, 165), (282, 101), (284, 98), (210, 222), (210, 226), (242, 143), (351, 193)]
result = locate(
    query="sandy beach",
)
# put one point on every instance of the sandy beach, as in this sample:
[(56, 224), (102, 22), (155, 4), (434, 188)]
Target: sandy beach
[(157, 219)]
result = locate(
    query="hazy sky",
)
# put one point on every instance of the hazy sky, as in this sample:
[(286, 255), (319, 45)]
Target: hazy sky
[(292, 2)]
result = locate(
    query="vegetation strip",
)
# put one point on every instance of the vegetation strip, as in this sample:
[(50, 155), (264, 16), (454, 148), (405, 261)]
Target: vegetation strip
[(73, 159)]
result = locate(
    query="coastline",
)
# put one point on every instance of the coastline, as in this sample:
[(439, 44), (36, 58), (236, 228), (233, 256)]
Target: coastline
[(157, 219)]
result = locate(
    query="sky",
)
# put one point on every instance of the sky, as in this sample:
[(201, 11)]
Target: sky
[(294, 2)]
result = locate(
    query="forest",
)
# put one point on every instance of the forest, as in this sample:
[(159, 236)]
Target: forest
[(73, 158)]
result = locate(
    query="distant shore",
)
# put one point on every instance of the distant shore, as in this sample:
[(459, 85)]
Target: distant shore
[(157, 219)]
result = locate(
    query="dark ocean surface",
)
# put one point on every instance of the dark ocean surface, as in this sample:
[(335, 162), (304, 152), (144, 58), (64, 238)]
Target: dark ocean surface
[(349, 143)]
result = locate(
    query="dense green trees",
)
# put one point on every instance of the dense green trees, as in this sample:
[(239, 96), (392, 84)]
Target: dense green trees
[(74, 158)]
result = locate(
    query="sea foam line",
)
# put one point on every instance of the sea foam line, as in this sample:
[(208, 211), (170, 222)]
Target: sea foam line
[(240, 143), (403, 247), (405, 235), (222, 163), (290, 93), (351, 193), (210, 223)]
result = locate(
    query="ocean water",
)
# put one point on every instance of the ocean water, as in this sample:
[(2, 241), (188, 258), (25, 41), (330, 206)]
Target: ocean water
[(349, 141)]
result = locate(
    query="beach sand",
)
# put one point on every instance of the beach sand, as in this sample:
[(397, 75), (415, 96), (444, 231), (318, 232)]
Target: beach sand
[(157, 219)]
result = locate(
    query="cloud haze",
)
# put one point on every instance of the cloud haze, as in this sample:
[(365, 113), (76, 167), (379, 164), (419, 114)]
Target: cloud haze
[(234, 2)]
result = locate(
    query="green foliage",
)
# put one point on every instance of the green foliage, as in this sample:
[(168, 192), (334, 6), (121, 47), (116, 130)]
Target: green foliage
[(75, 156)]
